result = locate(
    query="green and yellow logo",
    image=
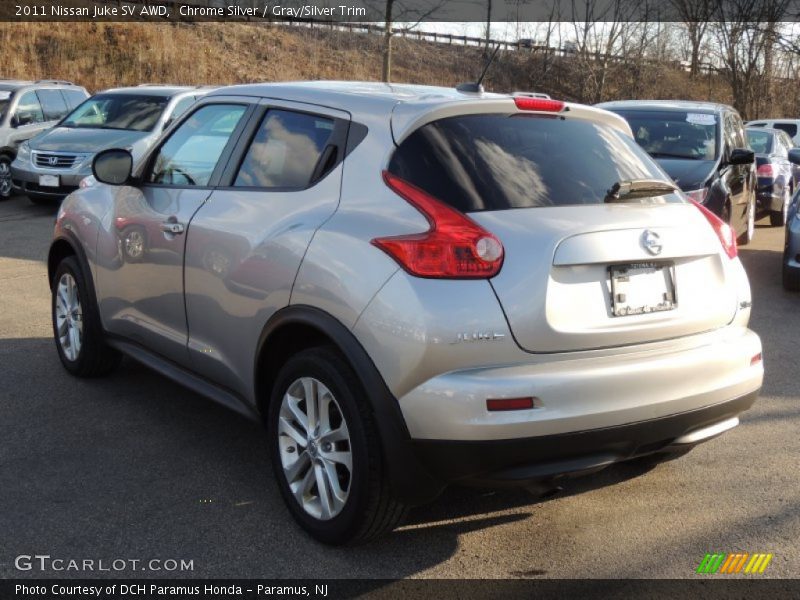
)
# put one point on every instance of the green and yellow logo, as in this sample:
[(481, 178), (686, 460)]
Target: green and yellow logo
[(739, 562)]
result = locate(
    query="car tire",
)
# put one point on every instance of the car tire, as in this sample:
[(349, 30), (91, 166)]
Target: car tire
[(750, 225), (357, 504), (5, 177), (77, 330), (791, 278), (777, 218)]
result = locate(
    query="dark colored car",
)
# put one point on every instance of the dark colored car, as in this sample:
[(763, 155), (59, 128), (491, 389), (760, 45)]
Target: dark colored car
[(777, 177), (791, 249), (703, 147)]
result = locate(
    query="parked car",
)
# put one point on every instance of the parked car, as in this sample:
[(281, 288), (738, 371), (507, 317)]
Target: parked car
[(791, 249), (412, 287), (777, 177), (702, 146), (26, 109), (51, 165), (790, 126)]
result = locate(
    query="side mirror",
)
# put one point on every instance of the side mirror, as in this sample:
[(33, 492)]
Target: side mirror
[(113, 166), (14, 121), (741, 156), (794, 156)]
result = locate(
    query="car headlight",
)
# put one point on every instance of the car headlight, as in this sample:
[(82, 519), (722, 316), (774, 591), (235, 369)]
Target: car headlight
[(698, 196), (24, 151)]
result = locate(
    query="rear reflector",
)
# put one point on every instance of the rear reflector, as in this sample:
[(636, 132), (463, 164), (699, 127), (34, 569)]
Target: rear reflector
[(494, 404), (454, 247), (539, 104), (724, 232), (756, 359)]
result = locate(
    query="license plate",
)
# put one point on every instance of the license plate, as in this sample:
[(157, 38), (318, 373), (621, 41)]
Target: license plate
[(642, 288), (49, 181)]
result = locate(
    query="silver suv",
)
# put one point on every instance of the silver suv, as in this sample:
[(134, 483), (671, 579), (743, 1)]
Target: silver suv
[(53, 164), (412, 287), (26, 109)]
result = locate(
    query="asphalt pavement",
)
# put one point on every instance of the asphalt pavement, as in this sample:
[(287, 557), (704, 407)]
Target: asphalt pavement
[(134, 467)]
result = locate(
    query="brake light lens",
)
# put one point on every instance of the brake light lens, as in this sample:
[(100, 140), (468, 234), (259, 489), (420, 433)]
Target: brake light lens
[(724, 232), (539, 104), (766, 170), (698, 196), (455, 246)]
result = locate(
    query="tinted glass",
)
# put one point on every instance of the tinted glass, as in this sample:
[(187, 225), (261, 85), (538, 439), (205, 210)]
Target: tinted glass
[(674, 134), (53, 104), (285, 150), (789, 128), (5, 102), (74, 97), (192, 152), (495, 162), (118, 111), (29, 110), (760, 141), (181, 107)]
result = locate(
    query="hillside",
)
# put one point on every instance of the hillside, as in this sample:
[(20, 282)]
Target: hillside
[(101, 55)]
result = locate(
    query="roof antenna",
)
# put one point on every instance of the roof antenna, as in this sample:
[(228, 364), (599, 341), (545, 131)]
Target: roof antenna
[(477, 88)]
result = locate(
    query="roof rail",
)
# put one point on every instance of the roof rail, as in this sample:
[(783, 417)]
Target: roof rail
[(54, 81), (532, 95)]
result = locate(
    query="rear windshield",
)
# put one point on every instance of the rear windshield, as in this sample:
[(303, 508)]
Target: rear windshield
[(760, 141), (118, 111), (496, 162), (678, 134)]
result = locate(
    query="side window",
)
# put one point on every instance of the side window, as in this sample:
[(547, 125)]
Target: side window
[(29, 110), (74, 97), (180, 108), (789, 128), (728, 132), (53, 104), (191, 153), (285, 150), (738, 131)]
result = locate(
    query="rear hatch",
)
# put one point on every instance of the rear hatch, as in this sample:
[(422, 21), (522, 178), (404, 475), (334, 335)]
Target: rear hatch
[(579, 272)]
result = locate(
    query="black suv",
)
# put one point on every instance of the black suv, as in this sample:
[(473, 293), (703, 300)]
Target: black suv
[(703, 147)]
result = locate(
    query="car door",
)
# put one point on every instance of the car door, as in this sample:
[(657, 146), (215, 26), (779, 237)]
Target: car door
[(142, 292), (736, 177), (246, 243), (27, 119), (790, 170)]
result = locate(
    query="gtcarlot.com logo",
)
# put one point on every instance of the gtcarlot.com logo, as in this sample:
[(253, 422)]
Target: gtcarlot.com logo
[(44, 562), (721, 563)]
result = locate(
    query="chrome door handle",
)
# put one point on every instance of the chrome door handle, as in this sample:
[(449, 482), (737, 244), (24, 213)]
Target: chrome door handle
[(172, 227)]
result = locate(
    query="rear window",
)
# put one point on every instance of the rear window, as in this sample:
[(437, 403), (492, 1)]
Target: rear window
[(760, 141), (684, 135), (496, 162)]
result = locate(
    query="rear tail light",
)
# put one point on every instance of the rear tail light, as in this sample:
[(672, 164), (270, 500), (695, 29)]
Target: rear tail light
[(539, 104), (455, 246), (724, 232), (757, 358), (698, 196), (766, 170)]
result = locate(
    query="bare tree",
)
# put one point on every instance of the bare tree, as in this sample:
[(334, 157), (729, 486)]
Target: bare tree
[(396, 10), (743, 40), (696, 15)]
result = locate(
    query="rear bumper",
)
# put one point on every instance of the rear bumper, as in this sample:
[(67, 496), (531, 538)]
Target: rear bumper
[(586, 393), (770, 197), (548, 458)]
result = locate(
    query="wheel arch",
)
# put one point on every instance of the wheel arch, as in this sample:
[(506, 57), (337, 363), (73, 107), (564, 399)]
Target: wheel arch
[(299, 327)]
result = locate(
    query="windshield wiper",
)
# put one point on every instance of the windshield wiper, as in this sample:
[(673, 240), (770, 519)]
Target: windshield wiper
[(672, 155), (638, 188)]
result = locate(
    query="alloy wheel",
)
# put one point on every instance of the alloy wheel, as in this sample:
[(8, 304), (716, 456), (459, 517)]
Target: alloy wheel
[(315, 449), (69, 317), (5, 178)]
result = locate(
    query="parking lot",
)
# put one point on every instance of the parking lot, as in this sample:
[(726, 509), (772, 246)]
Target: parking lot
[(136, 467)]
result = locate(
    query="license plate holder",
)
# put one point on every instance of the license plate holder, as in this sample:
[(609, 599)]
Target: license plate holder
[(642, 288), (49, 181)]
